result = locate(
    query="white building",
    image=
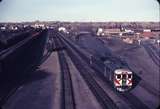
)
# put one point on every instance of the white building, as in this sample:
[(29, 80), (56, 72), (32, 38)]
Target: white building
[(99, 31), (38, 26), (128, 31), (147, 30), (108, 32), (2, 28), (62, 29)]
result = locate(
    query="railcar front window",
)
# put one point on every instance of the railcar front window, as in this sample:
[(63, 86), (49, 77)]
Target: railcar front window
[(124, 76), (129, 76), (118, 76)]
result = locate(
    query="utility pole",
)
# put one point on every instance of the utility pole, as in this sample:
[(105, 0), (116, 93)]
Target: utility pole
[(139, 41), (105, 68), (158, 41), (105, 71), (91, 60)]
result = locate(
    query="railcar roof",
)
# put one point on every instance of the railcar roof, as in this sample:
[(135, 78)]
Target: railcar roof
[(119, 71)]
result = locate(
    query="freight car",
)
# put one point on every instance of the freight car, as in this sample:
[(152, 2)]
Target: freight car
[(5, 43)]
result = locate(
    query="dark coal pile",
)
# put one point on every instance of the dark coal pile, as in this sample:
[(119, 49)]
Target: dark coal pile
[(94, 46)]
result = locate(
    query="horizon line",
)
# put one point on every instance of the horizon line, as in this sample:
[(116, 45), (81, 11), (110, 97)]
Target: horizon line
[(74, 21)]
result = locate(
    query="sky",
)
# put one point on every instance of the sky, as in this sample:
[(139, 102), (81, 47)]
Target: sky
[(79, 10)]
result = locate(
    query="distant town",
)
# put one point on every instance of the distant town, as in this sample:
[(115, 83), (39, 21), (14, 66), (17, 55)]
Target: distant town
[(129, 32)]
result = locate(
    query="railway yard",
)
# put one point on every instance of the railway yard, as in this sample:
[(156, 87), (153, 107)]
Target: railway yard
[(49, 69)]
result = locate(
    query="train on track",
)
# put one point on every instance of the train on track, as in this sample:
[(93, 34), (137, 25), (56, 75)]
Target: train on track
[(120, 75), (122, 79), (114, 69)]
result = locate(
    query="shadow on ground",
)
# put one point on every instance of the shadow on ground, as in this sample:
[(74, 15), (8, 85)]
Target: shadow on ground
[(10, 86)]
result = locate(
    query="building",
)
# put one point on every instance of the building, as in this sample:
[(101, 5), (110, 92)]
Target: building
[(147, 35), (147, 30), (2, 28), (112, 31), (128, 40), (108, 32)]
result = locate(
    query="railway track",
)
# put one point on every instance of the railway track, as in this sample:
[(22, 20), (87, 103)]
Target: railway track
[(102, 97), (56, 45), (128, 97), (98, 67), (100, 94), (151, 89), (157, 50), (67, 93), (154, 57), (67, 97)]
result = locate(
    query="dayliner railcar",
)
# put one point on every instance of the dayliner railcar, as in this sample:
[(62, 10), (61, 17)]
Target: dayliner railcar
[(120, 75)]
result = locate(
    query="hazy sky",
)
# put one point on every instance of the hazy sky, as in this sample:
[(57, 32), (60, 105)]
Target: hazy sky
[(79, 10)]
